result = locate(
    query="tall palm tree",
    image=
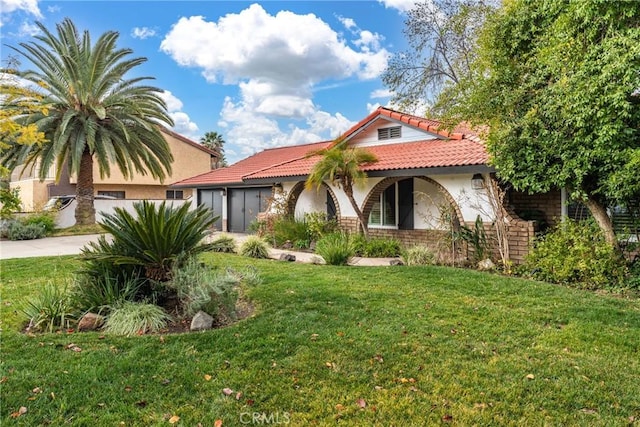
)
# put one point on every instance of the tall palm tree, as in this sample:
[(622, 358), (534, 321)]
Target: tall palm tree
[(214, 141), (92, 113), (342, 167)]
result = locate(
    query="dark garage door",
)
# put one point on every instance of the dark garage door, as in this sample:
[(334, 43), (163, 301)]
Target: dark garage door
[(244, 204), (213, 200)]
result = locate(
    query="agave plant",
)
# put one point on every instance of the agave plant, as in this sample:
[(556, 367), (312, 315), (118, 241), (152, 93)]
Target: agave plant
[(157, 237)]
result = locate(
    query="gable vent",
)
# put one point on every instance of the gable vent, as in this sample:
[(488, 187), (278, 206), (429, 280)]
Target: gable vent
[(388, 133)]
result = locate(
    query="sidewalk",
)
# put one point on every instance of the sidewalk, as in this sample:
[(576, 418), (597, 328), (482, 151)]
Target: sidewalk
[(71, 245)]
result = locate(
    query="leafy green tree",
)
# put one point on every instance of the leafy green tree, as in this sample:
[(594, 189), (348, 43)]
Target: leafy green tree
[(91, 112), (558, 84), (214, 141), (341, 165), (442, 37)]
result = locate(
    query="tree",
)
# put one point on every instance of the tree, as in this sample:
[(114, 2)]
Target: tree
[(90, 112), (557, 83), (215, 142), (442, 36), (342, 165), (15, 101)]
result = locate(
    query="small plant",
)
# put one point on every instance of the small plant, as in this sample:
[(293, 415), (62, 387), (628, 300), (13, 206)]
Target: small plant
[(476, 237), (9, 202), (335, 248), (131, 318), (19, 231), (45, 219), (224, 243), (49, 310), (100, 293), (319, 225), (376, 247), (418, 255), (290, 229), (254, 247)]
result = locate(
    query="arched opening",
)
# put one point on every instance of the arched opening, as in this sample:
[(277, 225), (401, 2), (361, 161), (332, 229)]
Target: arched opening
[(321, 199)]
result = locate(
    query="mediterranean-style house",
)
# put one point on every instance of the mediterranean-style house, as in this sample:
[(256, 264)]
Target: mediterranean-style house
[(189, 158), (423, 172)]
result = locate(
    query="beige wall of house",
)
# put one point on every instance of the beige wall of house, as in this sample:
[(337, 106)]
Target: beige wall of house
[(189, 160)]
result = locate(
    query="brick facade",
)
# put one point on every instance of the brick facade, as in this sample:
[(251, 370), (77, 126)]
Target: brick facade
[(545, 208)]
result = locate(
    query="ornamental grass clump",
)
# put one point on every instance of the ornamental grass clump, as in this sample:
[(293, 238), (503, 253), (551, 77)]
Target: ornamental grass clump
[(130, 318), (49, 310), (336, 248), (254, 247)]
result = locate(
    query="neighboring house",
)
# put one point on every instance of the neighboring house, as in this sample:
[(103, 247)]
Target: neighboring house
[(189, 158), (423, 173)]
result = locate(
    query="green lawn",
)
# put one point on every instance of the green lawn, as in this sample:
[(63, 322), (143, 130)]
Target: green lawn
[(364, 346)]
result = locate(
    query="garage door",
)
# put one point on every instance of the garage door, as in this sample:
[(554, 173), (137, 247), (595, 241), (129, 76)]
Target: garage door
[(244, 204), (213, 200)]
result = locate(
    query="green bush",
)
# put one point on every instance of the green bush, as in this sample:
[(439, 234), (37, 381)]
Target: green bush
[(131, 318), (101, 293), (157, 238), (254, 247), (576, 253), (376, 247), (476, 237), (17, 230), (292, 230), (10, 202), (418, 255), (224, 243), (318, 225), (335, 248), (45, 219), (49, 310)]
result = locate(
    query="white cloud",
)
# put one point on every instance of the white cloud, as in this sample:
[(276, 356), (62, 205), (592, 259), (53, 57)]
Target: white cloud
[(53, 9), (29, 6), (181, 121), (28, 29), (401, 5), (381, 93), (278, 62), (142, 32)]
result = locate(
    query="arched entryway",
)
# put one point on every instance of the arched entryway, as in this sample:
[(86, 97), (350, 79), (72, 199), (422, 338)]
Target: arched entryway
[(321, 199)]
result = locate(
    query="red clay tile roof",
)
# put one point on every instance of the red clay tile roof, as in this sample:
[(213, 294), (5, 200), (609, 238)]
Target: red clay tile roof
[(410, 155), (235, 173), (461, 147)]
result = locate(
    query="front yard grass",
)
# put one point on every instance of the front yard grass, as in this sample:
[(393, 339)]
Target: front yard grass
[(384, 346)]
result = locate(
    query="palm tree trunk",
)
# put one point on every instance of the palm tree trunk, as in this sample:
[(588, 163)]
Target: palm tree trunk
[(348, 190), (85, 212), (599, 213)]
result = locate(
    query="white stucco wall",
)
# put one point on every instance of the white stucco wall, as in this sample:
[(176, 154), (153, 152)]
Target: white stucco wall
[(427, 196)]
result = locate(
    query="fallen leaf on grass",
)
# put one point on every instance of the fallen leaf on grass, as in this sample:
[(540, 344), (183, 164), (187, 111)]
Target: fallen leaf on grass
[(361, 403), (36, 390), (19, 412), (314, 337), (530, 376), (339, 407), (589, 411), (238, 395), (174, 419), (141, 403), (378, 358), (447, 418), (227, 391), (74, 347), (4, 380), (127, 388), (218, 423), (208, 377)]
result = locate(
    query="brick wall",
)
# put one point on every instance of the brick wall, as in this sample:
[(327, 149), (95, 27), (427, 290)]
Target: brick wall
[(545, 208)]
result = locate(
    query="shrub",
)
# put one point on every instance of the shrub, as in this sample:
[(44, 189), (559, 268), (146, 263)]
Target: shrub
[(45, 219), (476, 237), (254, 247), (10, 202), (49, 310), (19, 231), (224, 243), (157, 238), (318, 225), (101, 293), (576, 253), (335, 248), (418, 255), (292, 230), (131, 318), (376, 247)]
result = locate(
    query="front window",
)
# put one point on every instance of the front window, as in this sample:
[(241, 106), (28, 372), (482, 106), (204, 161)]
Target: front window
[(175, 194), (383, 212), (112, 194)]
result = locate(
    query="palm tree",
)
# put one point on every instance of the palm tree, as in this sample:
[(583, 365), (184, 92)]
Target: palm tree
[(342, 167), (214, 141), (91, 113)]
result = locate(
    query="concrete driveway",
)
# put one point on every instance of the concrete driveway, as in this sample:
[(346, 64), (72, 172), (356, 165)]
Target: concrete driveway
[(49, 246)]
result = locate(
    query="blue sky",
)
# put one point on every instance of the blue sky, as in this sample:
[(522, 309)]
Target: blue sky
[(262, 74)]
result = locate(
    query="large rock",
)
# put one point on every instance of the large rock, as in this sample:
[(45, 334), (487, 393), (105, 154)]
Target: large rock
[(201, 322), (90, 322), (486, 265), (287, 257)]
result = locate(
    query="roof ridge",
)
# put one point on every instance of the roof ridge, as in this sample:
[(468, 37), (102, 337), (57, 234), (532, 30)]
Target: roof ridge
[(285, 161)]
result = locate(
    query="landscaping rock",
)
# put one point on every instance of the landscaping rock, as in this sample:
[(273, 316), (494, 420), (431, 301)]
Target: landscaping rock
[(287, 257), (90, 322), (396, 262), (201, 322), (486, 265), (287, 245)]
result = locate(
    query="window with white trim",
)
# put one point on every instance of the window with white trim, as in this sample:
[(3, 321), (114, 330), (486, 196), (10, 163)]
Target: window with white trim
[(384, 210), (175, 195)]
